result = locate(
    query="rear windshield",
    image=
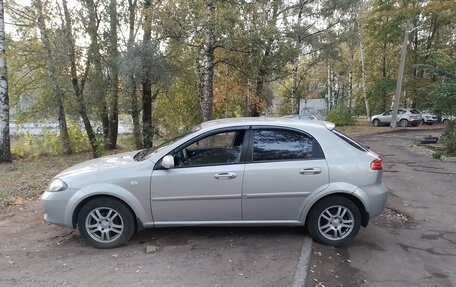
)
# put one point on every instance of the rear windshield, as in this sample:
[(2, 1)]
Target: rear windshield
[(351, 141)]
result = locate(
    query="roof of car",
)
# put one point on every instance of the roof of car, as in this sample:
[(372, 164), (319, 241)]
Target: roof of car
[(265, 121)]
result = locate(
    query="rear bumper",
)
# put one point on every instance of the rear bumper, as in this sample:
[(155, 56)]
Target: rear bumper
[(373, 197)]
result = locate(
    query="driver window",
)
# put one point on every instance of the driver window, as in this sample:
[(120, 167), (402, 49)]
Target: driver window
[(219, 148)]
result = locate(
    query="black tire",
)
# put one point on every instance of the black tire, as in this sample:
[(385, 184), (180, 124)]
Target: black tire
[(404, 123), (112, 222), (317, 221), (376, 122)]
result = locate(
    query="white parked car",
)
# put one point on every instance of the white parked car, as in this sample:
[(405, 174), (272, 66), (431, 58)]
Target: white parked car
[(447, 119), (428, 118), (405, 117)]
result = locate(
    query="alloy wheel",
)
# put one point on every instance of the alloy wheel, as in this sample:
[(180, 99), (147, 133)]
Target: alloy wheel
[(104, 224), (336, 222)]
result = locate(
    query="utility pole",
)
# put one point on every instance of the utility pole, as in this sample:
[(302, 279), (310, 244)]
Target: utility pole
[(400, 75)]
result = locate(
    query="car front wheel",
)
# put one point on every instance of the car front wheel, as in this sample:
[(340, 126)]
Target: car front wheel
[(403, 123), (334, 221), (105, 222)]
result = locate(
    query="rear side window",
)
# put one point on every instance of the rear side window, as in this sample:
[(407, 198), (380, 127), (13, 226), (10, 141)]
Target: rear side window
[(279, 144), (351, 141)]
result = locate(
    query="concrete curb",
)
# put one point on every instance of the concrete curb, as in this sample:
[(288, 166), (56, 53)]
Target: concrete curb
[(300, 276)]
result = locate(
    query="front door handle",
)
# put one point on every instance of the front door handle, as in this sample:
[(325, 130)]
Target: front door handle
[(314, 170), (225, 175)]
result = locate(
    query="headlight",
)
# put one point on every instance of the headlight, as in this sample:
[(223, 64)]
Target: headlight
[(57, 185)]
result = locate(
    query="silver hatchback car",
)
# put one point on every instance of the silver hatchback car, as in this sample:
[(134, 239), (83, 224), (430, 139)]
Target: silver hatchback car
[(248, 171)]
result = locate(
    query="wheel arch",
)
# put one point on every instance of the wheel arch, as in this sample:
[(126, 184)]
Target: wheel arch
[(362, 209), (138, 223)]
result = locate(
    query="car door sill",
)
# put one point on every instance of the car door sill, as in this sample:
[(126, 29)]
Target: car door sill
[(230, 222)]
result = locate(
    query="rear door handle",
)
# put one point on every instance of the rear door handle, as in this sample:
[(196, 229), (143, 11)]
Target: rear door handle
[(314, 170), (225, 175)]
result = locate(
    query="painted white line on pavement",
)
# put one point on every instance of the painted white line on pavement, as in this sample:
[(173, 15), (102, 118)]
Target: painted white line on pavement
[(303, 263)]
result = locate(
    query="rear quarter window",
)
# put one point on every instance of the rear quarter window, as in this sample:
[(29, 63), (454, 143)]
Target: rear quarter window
[(351, 141)]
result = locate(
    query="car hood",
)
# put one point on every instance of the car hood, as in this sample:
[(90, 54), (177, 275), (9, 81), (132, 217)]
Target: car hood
[(100, 164)]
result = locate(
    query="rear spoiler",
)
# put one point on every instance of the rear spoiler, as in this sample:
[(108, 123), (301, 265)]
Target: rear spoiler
[(330, 126)]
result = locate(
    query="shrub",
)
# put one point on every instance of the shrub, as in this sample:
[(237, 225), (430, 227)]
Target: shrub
[(341, 116), (48, 144), (448, 139), (437, 155)]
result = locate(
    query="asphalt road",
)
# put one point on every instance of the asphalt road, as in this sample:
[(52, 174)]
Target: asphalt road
[(413, 243)]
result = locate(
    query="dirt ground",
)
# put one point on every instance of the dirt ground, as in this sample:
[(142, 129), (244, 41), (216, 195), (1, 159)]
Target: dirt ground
[(33, 253)]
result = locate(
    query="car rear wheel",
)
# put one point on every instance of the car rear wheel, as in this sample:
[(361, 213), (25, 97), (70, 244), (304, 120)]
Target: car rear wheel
[(403, 123), (105, 222), (376, 122), (334, 221)]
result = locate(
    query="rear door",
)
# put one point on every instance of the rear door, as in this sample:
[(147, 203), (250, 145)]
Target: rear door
[(285, 166)]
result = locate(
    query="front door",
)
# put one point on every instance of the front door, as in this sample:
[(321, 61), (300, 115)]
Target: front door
[(205, 184)]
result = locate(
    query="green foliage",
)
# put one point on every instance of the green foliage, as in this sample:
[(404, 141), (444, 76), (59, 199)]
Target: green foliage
[(29, 146), (341, 116), (437, 155), (380, 94), (448, 139), (78, 138)]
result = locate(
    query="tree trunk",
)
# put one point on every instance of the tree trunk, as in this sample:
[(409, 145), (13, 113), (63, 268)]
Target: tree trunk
[(209, 62), (5, 149), (54, 81), (78, 85), (199, 76), (294, 73), (99, 88), (146, 82), (114, 107), (135, 117), (363, 76), (134, 105), (330, 92)]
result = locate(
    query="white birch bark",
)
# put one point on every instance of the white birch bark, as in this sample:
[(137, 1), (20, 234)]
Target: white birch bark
[(208, 63), (5, 151)]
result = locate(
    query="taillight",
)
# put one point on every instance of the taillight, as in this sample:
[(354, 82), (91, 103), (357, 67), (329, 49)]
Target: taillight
[(377, 164)]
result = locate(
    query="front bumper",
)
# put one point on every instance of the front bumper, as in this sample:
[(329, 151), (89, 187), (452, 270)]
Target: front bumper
[(57, 207)]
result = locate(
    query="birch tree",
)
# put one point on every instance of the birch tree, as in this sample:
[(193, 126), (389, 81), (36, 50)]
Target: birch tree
[(54, 80), (5, 151)]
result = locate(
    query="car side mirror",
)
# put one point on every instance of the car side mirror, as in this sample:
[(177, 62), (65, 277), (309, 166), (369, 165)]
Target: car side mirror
[(168, 162)]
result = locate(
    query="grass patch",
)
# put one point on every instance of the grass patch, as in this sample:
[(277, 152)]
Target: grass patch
[(27, 179), (362, 127)]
